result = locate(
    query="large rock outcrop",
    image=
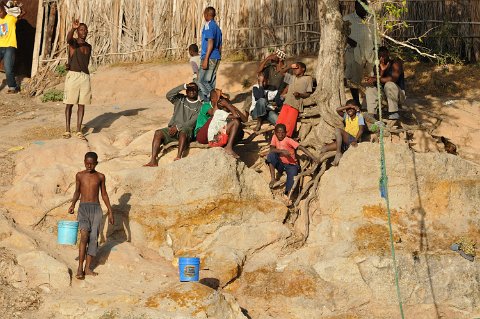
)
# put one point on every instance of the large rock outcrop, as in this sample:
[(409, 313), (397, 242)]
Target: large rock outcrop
[(346, 268)]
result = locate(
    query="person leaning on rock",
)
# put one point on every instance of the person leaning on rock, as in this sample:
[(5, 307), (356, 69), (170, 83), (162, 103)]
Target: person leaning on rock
[(180, 128)]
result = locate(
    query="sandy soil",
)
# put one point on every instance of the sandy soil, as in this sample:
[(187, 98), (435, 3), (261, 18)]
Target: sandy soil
[(445, 102)]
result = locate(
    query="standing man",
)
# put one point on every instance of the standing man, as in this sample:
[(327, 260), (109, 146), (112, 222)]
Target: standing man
[(8, 44), (359, 54), (211, 54)]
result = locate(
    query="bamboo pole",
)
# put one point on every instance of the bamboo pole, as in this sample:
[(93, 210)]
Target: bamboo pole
[(38, 38)]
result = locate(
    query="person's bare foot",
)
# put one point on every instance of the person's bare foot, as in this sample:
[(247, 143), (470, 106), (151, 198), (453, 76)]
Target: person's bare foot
[(151, 164), (89, 272), (229, 151), (177, 158), (258, 127), (272, 183), (80, 274), (337, 158)]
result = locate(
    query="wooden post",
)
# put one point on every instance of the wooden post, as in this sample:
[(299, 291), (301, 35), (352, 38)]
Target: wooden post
[(38, 38)]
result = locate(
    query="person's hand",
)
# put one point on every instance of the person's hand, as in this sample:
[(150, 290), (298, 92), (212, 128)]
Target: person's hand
[(296, 94), (75, 24), (351, 42), (205, 64), (70, 209), (294, 66), (354, 144), (285, 152), (111, 220), (222, 103), (370, 80), (172, 130), (272, 56), (383, 67)]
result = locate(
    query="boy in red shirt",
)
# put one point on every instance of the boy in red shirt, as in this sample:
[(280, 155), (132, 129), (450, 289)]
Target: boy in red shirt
[(282, 157)]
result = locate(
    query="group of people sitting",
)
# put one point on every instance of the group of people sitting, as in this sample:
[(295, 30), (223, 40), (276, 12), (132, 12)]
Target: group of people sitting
[(278, 97)]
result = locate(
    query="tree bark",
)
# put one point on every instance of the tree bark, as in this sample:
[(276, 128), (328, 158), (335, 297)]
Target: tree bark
[(330, 92)]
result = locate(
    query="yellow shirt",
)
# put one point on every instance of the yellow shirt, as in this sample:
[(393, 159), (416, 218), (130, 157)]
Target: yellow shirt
[(352, 126), (8, 34)]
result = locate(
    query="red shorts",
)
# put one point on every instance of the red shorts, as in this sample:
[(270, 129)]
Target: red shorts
[(202, 134), (221, 139)]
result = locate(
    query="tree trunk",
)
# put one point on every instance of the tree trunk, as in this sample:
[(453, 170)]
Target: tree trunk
[(330, 92)]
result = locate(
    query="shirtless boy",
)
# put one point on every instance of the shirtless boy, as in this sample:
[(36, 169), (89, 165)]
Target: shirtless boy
[(88, 184)]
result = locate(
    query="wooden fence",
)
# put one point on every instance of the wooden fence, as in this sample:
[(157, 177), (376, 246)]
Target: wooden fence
[(142, 30)]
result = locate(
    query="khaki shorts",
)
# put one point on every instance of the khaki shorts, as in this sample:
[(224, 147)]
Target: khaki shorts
[(77, 88)]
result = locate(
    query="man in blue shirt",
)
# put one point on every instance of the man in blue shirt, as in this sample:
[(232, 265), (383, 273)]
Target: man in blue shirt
[(211, 54)]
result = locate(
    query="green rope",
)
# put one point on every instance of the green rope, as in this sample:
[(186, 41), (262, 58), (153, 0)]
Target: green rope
[(383, 183)]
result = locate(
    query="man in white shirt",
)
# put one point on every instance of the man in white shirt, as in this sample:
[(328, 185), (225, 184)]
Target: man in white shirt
[(360, 51)]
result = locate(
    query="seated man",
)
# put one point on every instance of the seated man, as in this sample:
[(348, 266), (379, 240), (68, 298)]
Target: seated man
[(225, 127), (262, 106), (354, 127), (392, 80), (273, 68), (180, 127)]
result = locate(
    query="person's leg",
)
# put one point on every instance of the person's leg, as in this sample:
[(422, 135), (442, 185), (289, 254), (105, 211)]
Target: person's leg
[(82, 249), (273, 161), (202, 89), (68, 116), (232, 130), (80, 113), (272, 117), (213, 80), (205, 77), (340, 136), (8, 63), (392, 94), (157, 141), (292, 171), (371, 96), (97, 214), (182, 144), (259, 112)]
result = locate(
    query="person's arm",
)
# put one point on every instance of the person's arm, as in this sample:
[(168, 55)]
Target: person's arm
[(174, 93), (264, 62), (273, 149), (309, 154), (76, 195), (22, 14), (75, 25), (207, 54), (340, 110), (302, 95), (235, 113), (106, 200), (360, 132), (397, 69)]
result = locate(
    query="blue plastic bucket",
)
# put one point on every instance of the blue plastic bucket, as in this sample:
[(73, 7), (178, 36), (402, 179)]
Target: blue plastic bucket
[(189, 268), (67, 232)]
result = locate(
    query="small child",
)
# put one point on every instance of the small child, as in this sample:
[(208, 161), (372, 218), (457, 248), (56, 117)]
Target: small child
[(354, 127), (282, 157), (88, 183), (194, 59), (77, 82)]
